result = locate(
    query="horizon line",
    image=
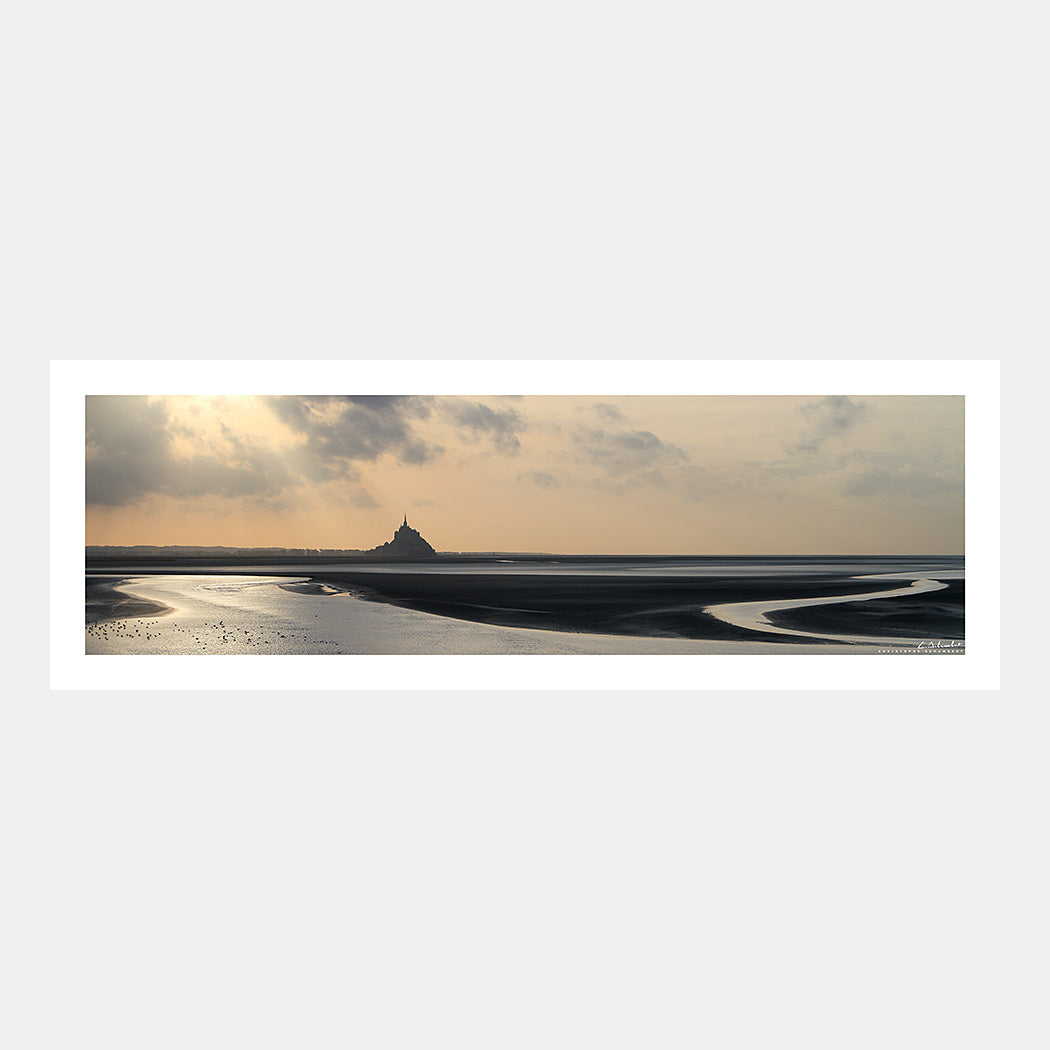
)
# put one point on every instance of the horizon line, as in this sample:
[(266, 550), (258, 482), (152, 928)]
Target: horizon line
[(492, 552)]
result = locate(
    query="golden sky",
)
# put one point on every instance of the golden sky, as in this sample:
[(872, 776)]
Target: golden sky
[(568, 474)]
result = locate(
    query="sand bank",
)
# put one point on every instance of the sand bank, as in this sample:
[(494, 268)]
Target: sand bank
[(103, 601)]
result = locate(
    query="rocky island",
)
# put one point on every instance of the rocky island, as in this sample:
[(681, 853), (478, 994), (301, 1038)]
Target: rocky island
[(407, 543)]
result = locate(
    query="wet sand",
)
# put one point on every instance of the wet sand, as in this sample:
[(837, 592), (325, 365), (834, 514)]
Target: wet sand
[(642, 606), (933, 614), (103, 602), (251, 615), (785, 606)]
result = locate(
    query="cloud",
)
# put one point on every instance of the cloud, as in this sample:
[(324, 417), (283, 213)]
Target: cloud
[(699, 483), (794, 467), (608, 412), (128, 446), (541, 478), (130, 454), (361, 498), (478, 420), (913, 484), (913, 475), (621, 453), (342, 430), (137, 446), (827, 417)]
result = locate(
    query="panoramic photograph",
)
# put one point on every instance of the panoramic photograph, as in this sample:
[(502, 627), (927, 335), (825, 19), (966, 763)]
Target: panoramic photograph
[(338, 524)]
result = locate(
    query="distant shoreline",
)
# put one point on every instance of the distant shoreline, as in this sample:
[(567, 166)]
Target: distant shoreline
[(99, 559)]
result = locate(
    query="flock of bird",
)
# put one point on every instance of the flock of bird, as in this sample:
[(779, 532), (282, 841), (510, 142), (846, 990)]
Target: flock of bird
[(107, 629), (220, 636)]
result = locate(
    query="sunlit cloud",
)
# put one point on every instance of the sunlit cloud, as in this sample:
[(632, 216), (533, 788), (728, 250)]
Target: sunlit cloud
[(132, 451)]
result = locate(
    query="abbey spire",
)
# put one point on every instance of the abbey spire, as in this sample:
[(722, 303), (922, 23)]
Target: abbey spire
[(407, 543)]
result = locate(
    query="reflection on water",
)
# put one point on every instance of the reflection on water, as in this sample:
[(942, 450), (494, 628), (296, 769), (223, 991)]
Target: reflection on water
[(252, 615)]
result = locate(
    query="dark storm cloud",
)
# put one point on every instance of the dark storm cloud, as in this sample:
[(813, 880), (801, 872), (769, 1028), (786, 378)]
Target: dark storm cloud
[(342, 430), (130, 456), (827, 417), (478, 420)]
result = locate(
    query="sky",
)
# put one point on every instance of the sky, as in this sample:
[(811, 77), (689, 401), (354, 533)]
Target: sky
[(770, 474)]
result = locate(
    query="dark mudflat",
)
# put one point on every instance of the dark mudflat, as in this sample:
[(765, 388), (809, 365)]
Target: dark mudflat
[(102, 602), (652, 606)]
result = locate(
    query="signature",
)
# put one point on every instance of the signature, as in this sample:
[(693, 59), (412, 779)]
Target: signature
[(940, 643)]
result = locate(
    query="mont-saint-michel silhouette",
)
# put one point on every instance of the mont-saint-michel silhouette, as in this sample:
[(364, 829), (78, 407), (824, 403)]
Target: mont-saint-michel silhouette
[(407, 543)]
